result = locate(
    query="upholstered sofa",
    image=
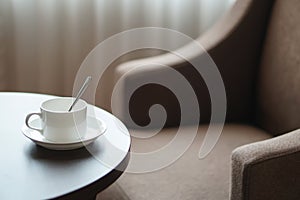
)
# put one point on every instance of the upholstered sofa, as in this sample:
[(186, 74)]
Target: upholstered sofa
[(256, 47)]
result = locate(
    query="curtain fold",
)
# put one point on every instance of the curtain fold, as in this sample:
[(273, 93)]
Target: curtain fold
[(3, 81), (44, 42), (5, 45)]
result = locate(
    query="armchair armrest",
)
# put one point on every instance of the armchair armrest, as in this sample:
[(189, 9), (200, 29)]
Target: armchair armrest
[(233, 48), (268, 169)]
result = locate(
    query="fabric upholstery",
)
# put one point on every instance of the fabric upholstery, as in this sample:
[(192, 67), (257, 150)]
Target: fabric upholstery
[(279, 81), (234, 47), (268, 169), (237, 58), (189, 177)]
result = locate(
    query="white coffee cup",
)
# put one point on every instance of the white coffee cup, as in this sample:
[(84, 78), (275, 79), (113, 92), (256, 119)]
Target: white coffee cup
[(58, 124)]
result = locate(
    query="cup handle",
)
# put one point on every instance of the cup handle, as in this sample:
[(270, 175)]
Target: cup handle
[(27, 121)]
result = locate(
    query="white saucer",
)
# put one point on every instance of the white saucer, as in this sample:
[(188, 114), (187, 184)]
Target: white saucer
[(96, 127)]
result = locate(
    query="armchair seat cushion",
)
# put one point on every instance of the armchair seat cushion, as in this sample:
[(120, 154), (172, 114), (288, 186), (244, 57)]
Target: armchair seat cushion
[(189, 177)]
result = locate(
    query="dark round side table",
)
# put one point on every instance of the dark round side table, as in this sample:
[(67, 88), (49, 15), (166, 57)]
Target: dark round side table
[(28, 171)]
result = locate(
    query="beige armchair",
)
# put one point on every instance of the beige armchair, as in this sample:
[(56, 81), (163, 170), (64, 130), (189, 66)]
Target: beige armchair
[(256, 48)]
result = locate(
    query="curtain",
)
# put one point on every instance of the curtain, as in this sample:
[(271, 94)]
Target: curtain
[(43, 43)]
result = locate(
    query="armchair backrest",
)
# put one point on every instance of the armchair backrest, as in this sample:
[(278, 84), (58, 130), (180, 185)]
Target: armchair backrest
[(278, 86)]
